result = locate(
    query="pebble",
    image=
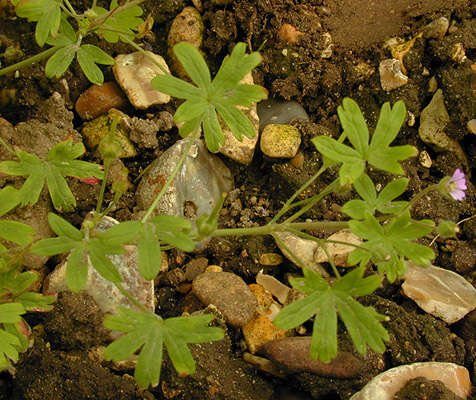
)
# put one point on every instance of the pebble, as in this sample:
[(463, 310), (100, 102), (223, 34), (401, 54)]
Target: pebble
[(278, 112), (339, 252), (274, 286), (93, 131), (280, 141), (440, 292), (432, 85), (200, 182), (292, 354), (471, 125), (391, 76), (270, 259), (385, 385), (425, 159), (229, 293), (458, 53), (98, 100), (433, 121), (195, 267), (241, 151), (134, 73), (214, 268), (436, 29), (260, 330), (303, 249), (105, 293), (289, 34), (265, 299), (186, 27)]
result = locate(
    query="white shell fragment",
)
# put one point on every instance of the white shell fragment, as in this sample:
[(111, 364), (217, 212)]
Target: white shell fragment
[(303, 249), (134, 72), (105, 293), (439, 292), (274, 286), (339, 252), (385, 385), (391, 76)]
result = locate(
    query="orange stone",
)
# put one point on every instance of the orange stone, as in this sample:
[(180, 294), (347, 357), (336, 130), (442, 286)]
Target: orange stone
[(98, 100), (289, 33)]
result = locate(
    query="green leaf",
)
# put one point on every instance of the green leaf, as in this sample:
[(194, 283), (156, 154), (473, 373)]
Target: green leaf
[(121, 233), (235, 119), (102, 263), (59, 62), (124, 22), (389, 123), (77, 270), (149, 332), (16, 282), (8, 345), (36, 302), (11, 312), (16, 232), (354, 125), (336, 151), (9, 199), (214, 137), (362, 323), (53, 246), (63, 228), (59, 162), (46, 12), (150, 257), (387, 159), (194, 63), (88, 57), (178, 88), (190, 110), (66, 35)]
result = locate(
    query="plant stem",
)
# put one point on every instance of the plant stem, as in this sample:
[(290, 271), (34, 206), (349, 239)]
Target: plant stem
[(171, 176), (107, 164), (100, 20), (130, 297), (28, 61)]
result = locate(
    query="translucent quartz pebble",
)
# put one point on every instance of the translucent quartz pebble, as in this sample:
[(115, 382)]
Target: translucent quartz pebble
[(385, 385), (278, 112), (105, 293), (199, 183), (439, 292)]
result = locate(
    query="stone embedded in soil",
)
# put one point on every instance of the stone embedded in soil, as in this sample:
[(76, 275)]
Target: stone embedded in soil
[(229, 293), (293, 355), (270, 259), (278, 112), (303, 249), (200, 182), (433, 121), (195, 267), (439, 292), (241, 151), (274, 286), (98, 100), (436, 29), (93, 132), (134, 73), (423, 388), (105, 293), (280, 141), (261, 330), (339, 252), (385, 385), (471, 125), (186, 27), (391, 76)]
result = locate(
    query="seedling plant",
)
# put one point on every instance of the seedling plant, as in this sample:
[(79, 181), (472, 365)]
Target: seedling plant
[(379, 218)]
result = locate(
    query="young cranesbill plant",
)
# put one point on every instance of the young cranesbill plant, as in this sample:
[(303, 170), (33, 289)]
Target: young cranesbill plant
[(53, 28)]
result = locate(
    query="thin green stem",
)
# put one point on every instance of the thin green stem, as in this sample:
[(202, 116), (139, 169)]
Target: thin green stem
[(71, 8), (171, 177), (138, 48), (100, 20), (107, 165), (7, 147), (288, 205), (28, 61), (130, 297), (417, 197)]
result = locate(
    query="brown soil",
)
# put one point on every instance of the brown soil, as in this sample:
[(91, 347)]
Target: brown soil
[(65, 360)]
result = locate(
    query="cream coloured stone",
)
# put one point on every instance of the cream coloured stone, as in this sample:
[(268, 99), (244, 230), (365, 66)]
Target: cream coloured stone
[(338, 251), (385, 385), (391, 76), (134, 73)]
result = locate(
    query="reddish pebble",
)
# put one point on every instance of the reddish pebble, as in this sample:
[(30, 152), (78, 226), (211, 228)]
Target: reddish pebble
[(98, 100), (289, 33)]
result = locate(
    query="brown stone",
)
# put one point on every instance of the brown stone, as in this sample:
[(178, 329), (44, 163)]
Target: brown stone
[(98, 100)]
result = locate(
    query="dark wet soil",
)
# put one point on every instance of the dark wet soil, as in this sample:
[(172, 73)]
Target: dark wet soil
[(318, 70)]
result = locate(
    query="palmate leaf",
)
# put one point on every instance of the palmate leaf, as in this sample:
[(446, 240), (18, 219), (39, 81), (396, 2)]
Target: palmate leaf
[(47, 14), (378, 152), (149, 332), (219, 96), (124, 22), (88, 58), (326, 303), (60, 162), (8, 348)]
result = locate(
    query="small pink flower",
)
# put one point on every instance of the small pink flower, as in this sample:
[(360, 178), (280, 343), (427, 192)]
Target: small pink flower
[(457, 185)]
